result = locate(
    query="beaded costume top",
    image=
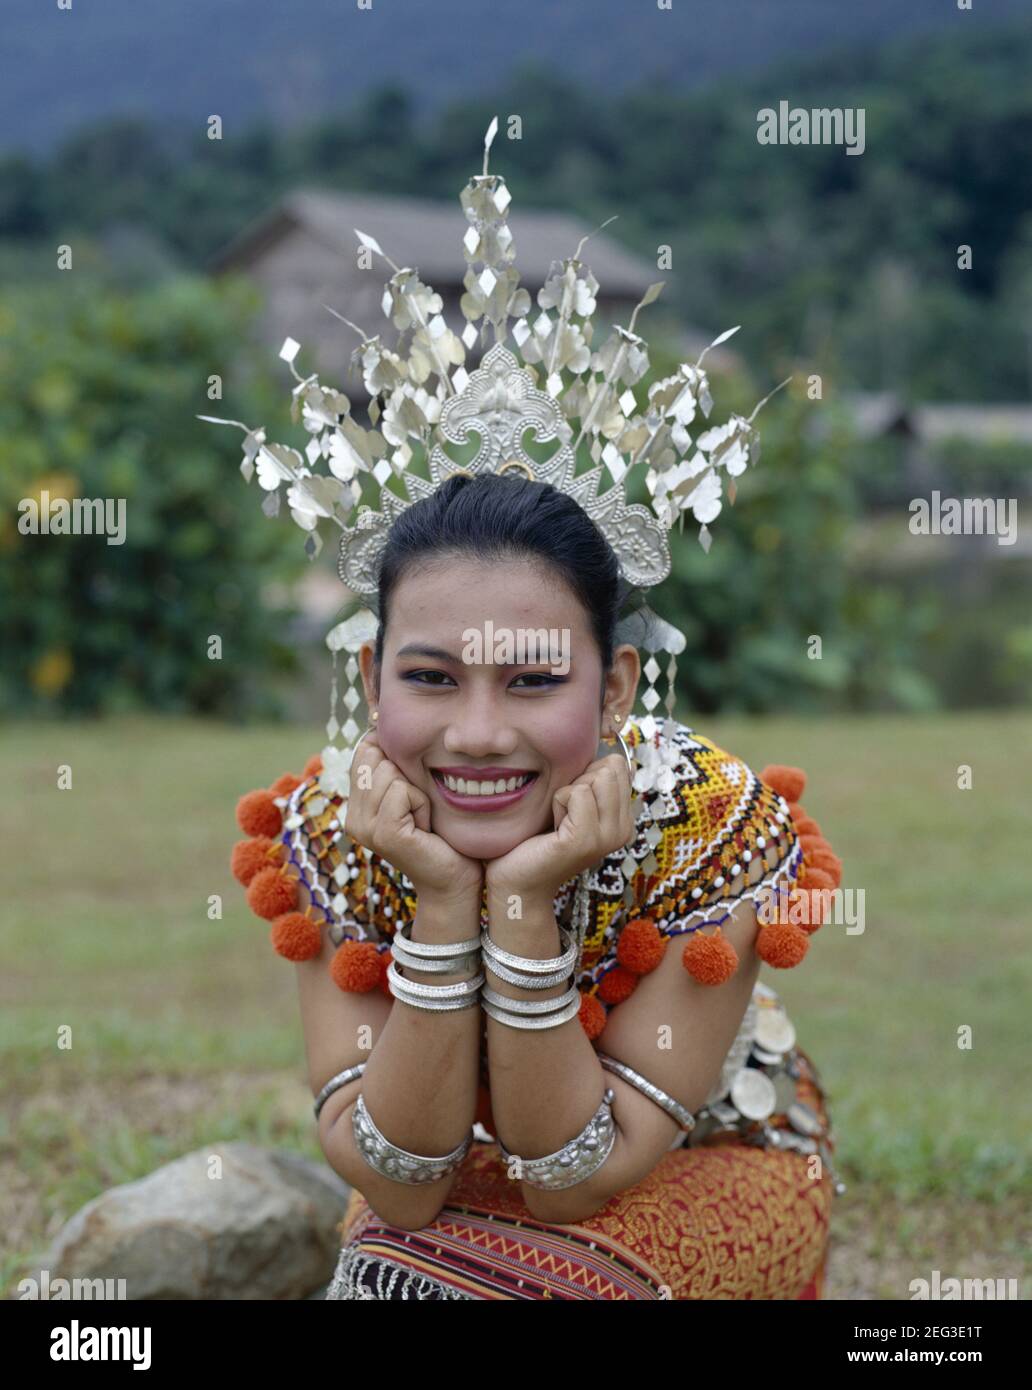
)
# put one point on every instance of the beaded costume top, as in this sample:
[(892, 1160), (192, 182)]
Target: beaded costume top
[(698, 828), (704, 832)]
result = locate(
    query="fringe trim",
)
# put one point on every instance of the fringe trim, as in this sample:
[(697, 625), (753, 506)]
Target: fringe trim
[(354, 1262)]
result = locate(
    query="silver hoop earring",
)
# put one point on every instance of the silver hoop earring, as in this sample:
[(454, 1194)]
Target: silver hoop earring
[(369, 729), (619, 738), (627, 755)]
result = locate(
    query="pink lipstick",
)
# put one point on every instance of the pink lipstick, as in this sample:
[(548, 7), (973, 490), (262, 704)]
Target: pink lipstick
[(491, 801)]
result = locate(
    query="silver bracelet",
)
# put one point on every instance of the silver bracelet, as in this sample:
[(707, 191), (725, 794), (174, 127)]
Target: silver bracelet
[(335, 1083), (432, 956), (462, 994), (576, 1160), (530, 1006), (398, 1164), (546, 1013), (513, 977), (674, 1109), (529, 972), (502, 961)]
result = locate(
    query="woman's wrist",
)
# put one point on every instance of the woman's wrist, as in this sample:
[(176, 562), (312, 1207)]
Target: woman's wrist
[(441, 906), (445, 921), (509, 903), (526, 926)]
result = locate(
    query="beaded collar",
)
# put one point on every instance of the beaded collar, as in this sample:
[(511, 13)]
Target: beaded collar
[(702, 817)]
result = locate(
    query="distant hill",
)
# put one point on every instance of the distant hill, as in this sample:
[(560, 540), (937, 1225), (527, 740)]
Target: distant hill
[(182, 59)]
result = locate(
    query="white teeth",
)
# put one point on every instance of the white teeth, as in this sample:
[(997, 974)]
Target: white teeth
[(479, 788)]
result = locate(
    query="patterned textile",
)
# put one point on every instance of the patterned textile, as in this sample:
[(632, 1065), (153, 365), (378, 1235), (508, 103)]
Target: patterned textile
[(730, 1212), (723, 1220)]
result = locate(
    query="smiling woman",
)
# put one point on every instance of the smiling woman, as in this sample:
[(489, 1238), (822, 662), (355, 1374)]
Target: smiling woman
[(527, 925), (496, 554), (627, 1114)]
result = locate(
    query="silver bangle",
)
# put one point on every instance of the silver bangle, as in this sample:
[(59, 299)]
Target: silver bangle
[(398, 1164), (437, 965), (335, 1083), (432, 955), (576, 1160), (462, 994), (674, 1109), (529, 965), (530, 1006), (546, 1013), (529, 972), (513, 977)]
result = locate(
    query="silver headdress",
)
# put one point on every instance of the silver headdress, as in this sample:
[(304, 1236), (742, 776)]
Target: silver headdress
[(558, 388)]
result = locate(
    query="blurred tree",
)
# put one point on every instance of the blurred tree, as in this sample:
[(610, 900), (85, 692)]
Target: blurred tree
[(777, 575), (102, 390)]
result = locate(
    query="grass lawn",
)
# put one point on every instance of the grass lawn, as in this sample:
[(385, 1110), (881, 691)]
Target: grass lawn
[(184, 1030)]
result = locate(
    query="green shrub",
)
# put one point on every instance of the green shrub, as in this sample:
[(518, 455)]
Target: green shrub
[(102, 387)]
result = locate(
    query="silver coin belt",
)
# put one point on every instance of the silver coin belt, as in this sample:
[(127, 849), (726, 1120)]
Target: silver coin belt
[(759, 1080)]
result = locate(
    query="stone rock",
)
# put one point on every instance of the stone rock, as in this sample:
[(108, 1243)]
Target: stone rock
[(265, 1228)]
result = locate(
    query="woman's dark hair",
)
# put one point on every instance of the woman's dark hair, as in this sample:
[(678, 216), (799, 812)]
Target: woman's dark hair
[(506, 515)]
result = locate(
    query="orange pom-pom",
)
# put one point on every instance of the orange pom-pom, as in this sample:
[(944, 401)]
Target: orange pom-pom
[(284, 785), (296, 937), (356, 967), (249, 857), (271, 893), (819, 906), (804, 907), (313, 766), (641, 946), (617, 985), (782, 944), (827, 860), (818, 878), (786, 781), (811, 843), (592, 1016), (806, 825), (385, 965), (258, 814), (819, 843), (710, 959)]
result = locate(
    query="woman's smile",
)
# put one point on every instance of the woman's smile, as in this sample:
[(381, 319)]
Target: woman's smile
[(482, 789)]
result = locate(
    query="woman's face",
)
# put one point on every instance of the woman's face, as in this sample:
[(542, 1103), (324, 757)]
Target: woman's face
[(454, 703)]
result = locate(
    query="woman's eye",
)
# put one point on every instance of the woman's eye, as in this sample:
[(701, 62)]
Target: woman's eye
[(539, 676), (536, 680), (420, 677)]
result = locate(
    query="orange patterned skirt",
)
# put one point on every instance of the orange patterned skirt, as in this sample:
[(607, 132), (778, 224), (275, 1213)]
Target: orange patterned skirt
[(727, 1219)]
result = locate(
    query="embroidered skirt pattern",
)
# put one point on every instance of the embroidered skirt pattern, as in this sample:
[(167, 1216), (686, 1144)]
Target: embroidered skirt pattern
[(735, 1215)]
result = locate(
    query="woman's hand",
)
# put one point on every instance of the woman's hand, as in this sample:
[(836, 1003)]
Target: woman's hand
[(392, 817), (592, 818)]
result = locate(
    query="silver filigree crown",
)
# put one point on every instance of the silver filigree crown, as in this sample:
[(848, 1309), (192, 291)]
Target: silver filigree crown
[(558, 388), (499, 404), (423, 399)]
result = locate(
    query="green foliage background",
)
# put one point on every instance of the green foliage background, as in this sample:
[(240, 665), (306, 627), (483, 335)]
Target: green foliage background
[(843, 267), (101, 388)]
